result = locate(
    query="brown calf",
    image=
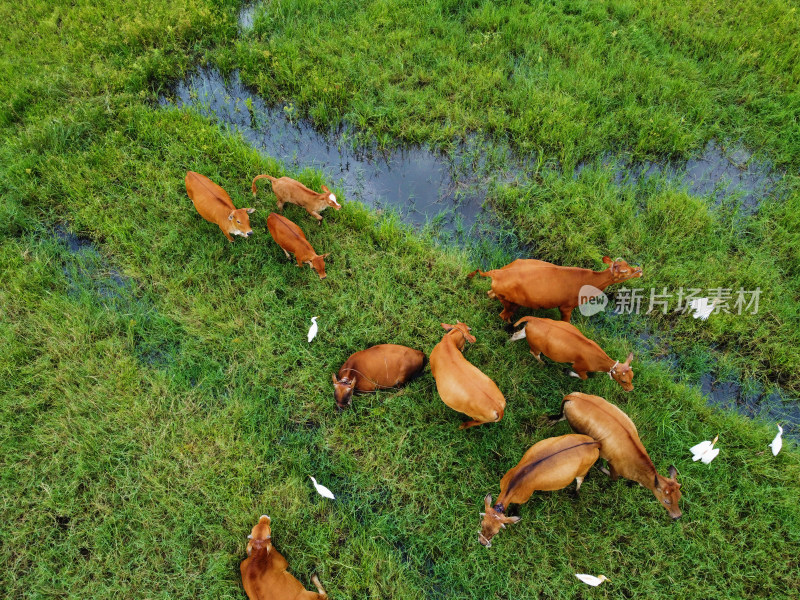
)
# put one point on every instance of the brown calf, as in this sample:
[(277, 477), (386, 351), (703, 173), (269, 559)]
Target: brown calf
[(548, 465), (562, 342), (539, 284), (620, 446), (215, 206), (461, 385), (264, 573), (292, 239), (289, 190), (376, 368)]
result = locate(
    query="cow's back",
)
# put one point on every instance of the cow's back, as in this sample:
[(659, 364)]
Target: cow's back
[(596, 417), (383, 366), (538, 284), (287, 234), (551, 464), (291, 190), (266, 578), (208, 198), (461, 385), (560, 341)]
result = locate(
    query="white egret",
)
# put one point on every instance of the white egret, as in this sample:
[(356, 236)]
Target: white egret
[(322, 490), (705, 451), (777, 443), (591, 579), (702, 308), (312, 331)]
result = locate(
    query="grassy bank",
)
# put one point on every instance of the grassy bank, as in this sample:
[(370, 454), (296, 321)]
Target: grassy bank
[(158, 393)]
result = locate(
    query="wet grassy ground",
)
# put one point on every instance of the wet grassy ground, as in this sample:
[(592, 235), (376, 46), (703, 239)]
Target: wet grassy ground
[(158, 393)]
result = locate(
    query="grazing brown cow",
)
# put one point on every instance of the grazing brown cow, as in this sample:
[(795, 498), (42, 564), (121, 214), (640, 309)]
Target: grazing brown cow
[(292, 239), (548, 465), (620, 446), (376, 368), (215, 206), (264, 573), (562, 342), (461, 385), (539, 284), (294, 192)]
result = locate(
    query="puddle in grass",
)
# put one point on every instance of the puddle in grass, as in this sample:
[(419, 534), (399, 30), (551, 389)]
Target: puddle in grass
[(719, 173), (88, 271)]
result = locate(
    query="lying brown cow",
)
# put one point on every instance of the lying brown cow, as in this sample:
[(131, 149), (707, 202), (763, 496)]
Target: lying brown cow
[(215, 206), (292, 239), (376, 368), (548, 465), (562, 342), (620, 446), (289, 190), (539, 284), (461, 385), (264, 573)]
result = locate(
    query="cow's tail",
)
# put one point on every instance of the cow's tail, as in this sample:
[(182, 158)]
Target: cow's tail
[(257, 177), (519, 335), (553, 419), (471, 275)]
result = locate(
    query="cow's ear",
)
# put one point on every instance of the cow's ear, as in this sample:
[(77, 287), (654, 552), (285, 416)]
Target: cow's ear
[(673, 472), (447, 327), (487, 502), (325, 255), (325, 189), (607, 260), (250, 211), (656, 481), (230, 217), (629, 359), (335, 380), (512, 519)]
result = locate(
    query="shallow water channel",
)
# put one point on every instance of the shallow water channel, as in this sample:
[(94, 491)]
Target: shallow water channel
[(446, 191)]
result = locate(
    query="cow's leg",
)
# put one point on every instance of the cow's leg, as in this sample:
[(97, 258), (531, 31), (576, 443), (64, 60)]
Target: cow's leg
[(537, 355), (566, 314), (322, 593), (468, 424), (286, 252), (316, 215), (509, 308), (280, 204)]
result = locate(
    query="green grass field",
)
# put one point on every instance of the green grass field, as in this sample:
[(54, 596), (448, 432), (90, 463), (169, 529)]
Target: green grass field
[(158, 393)]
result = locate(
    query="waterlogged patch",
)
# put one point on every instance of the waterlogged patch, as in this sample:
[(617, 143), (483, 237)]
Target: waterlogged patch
[(591, 300)]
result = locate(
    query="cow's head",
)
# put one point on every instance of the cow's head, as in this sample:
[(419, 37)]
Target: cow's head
[(668, 492), (493, 521), (461, 331), (343, 390), (318, 264), (240, 222), (330, 199), (622, 271), (623, 374), (260, 537)]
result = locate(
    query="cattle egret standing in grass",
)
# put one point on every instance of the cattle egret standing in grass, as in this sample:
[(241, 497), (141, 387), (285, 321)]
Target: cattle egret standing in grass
[(312, 331), (702, 308), (777, 443), (591, 579), (322, 490), (705, 451)]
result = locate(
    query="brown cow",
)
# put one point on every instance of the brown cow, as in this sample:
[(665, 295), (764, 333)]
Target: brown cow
[(289, 190), (292, 239), (264, 573), (620, 446), (539, 284), (461, 385), (215, 206), (548, 465), (562, 342), (376, 368)]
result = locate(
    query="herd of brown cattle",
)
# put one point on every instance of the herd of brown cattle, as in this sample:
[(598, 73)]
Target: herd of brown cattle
[(602, 430)]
